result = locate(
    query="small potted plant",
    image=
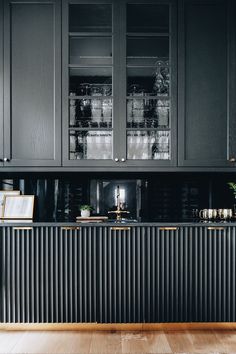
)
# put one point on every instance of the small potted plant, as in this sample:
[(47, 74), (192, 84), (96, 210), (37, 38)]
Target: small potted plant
[(85, 210)]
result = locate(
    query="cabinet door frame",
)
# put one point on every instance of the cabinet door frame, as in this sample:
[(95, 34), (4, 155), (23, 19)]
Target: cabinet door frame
[(183, 161), (119, 90), (65, 86), (173, 87), (56, 160)]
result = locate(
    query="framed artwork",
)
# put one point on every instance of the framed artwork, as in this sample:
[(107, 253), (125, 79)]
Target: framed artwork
[(2, 199), (18, 207)]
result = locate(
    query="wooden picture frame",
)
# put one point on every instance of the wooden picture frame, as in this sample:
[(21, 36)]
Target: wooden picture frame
[(2, 199), (18, 207)]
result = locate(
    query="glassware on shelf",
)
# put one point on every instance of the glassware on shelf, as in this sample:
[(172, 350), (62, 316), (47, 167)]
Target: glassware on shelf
[(96, 104), (85, 103), (161, 149), (162, 78), (148, 145), (99, 145), (107, 105), (73, 107), (162, 113), (135, 106)]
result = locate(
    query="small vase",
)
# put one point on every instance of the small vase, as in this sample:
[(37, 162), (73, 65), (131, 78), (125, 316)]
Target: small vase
[(85, 213)]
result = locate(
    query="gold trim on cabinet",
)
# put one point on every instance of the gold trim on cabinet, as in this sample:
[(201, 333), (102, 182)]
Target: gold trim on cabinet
[(17, 228), (68, 228), (216, 228), (168, 228), (120, 228)]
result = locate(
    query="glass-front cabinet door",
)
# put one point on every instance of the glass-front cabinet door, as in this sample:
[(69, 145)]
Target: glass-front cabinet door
[(119, 84)]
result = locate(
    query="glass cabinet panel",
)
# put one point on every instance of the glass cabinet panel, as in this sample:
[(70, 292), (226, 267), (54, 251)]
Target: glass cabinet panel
[(91, 81), (150, 18), (147, 50), (90, 18), (91, 50), (147, 112), (148, 122), (148, 145), (90, 68), (90, 145)]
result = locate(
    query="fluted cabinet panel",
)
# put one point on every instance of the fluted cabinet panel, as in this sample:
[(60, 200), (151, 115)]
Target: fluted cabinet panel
[(214, 273), (49, 274), (169, 283), (122, 277)]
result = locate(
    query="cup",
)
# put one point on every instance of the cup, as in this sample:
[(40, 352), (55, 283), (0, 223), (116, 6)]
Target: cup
[(225, 213), (208, 214)]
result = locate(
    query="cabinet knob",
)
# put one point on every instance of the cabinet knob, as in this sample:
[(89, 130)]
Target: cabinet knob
[(6, 159), (123, 159), (232, 159), (116, 159)]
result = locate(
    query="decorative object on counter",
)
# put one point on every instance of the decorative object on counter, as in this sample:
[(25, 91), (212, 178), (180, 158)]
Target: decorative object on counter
[(232, 186), (118, 211), (2, 200), (18, 206), (91, 219), (208, 214), (214, 214), (85, 210), (225, 214)]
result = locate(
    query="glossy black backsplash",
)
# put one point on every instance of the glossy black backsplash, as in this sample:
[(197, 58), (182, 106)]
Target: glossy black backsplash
[(150, 197)]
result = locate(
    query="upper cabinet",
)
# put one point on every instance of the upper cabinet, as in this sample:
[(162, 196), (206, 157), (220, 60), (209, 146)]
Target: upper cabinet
[(1, 84), (119, 83), (206, 86), (32, 83)]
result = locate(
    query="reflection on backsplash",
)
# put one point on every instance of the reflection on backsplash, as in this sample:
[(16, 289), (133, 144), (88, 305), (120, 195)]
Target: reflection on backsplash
[(148, 197)]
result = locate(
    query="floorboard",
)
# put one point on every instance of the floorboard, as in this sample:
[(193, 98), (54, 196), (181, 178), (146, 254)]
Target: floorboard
[(118, 342)]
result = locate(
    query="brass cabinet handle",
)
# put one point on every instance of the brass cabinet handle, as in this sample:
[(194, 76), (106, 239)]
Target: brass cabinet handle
[(169, 228), (68, 228), (120, 228), (15, 228), (216, 228)]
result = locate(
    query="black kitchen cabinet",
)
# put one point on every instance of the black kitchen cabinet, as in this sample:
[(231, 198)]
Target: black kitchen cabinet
[(48, 274), (32, 83), (206, 83), (121, 275), (117, 274), (214, 274), (168, 274), (119, 84)]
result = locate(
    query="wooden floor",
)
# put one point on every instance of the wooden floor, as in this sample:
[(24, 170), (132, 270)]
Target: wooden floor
[(69, 342)]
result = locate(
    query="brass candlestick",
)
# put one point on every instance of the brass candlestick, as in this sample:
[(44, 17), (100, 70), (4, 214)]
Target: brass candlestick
[(118, 210)]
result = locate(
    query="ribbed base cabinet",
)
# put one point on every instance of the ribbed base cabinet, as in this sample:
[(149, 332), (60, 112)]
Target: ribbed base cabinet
[(117, 274)]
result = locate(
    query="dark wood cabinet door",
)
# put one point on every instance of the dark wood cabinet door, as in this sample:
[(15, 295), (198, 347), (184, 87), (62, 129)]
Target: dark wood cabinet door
[(32, 83), (204, 80)]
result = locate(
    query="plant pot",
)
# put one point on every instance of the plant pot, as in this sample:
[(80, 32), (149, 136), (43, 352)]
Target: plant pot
[(85, 213)]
